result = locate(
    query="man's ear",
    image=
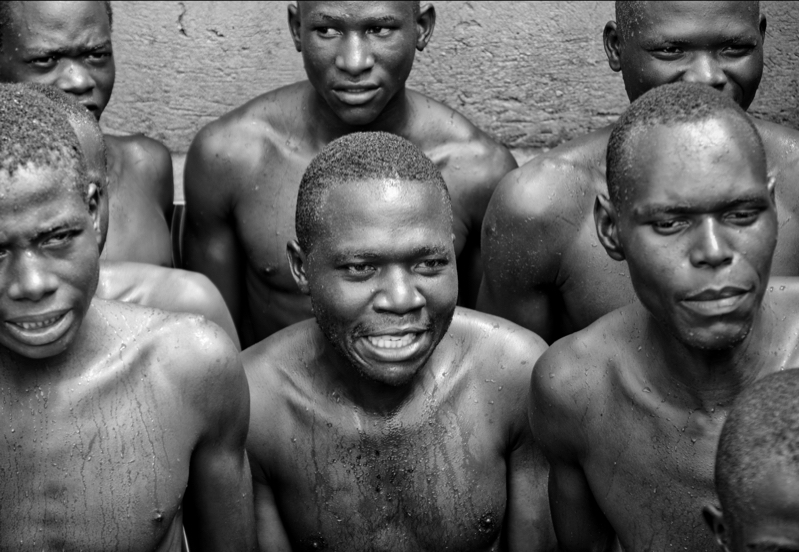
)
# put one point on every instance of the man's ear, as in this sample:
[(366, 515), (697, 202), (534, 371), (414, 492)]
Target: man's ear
[(298, 262), (762, 27), (612, 43), (771, 184), (425, 23), (93, 202), (294, 25), (607, 227), (715, 521)]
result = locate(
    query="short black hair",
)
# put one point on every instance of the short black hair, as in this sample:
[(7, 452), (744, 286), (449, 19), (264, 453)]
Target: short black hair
[(668, 105), (35, 131), (76, 113), (630, 12), (354, 158), (5, 16), (761, 431)]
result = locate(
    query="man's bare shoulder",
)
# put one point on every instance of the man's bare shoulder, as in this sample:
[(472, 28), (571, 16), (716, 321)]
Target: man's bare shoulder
[(781, 143), (148, 159), (456, 145)]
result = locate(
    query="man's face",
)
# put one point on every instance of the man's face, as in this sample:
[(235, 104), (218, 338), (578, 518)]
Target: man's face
[(774, 522), (48, 260), (64, 44), (357, 55), (698, 229), (382, 276), (715, 43)]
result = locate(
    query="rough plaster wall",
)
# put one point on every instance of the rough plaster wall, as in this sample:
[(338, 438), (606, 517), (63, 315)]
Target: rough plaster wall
[(532, 74)]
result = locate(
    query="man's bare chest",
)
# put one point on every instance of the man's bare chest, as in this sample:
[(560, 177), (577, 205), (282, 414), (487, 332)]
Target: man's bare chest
[(89, 470)]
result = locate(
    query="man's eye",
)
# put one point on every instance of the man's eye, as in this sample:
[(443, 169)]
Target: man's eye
[(433, 264), (742, 217), (327, 32), (668, 51), (44, 61), (58, 238), (738, 50), (670, 226), (98, 56), (359, 269), (380, 31)]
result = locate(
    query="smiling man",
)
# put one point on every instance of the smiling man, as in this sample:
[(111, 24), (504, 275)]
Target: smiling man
[(68, 45), (544, 267), (394, 421), (243, 170), (121, 425), (629, 410), (757, 470)]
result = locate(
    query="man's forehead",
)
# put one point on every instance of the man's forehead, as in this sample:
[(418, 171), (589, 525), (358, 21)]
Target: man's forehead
[(665, 15), (355, 10), (39, 21)]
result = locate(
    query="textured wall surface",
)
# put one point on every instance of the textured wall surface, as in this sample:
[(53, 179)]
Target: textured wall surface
[(532, 74)]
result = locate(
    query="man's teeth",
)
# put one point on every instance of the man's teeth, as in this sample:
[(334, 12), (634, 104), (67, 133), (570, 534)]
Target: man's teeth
[(391, 341), (37, 325)]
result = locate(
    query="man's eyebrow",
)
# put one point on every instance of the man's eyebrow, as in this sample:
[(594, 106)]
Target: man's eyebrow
[(65, 50), (425, 250), (347, 256), (688, 208), (320, 18)]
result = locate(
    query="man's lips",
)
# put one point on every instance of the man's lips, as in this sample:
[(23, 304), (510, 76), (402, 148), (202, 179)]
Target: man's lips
[(395, 345), (40, 329), (714, 294), (717, 301), (356, 95)]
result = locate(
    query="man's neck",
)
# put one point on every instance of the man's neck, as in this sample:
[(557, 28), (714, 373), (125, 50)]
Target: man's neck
[(710, 378), (325, 125)]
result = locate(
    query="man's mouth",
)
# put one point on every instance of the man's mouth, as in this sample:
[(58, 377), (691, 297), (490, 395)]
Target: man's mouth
[(717, 301), (356, 95), (391, 341), (40, 329)]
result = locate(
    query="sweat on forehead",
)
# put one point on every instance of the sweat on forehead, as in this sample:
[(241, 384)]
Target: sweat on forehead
[(35, 131), (631, 13), (5, 16), (670, 105), (355, 158), (761, 432)]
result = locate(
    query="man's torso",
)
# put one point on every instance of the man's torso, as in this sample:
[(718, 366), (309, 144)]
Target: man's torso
[(98, 460)]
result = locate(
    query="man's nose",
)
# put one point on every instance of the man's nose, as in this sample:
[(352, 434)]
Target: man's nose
[(706, 69), (30, 280), (355, 55), (74, 78), (710, 248), (398, 293)]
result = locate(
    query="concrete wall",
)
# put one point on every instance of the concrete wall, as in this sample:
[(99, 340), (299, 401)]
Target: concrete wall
[(532, 74)]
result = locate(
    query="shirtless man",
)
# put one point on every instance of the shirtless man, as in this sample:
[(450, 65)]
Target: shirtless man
[(544, 267), (68, 44), (169, 289), (757, 470), (394, 421), (243, 170), (629, 410), (115, 417)]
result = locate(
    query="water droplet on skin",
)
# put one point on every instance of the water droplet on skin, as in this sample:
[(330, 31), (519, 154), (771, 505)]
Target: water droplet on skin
[(782, 288), (647, 390)]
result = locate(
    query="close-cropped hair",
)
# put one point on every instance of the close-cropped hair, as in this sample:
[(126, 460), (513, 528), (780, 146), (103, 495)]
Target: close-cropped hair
[(359, 157), (5, 16), (35, 132), (761, 432), (668, 105)]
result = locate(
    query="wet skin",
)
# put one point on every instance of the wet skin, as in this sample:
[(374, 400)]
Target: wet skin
[(544, 266), (68, 45), (629, 410), (774, 524), (110, 421), (380, 436), (236, 233)]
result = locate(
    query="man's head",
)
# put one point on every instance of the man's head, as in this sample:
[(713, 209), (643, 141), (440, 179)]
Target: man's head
[(714, 43), (64, 44), (48, 227), (92, 143), (375, 253), (358, 55), (691, 209), (757, 469)]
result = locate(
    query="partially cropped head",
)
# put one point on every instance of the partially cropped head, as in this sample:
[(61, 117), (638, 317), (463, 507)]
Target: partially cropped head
[(719, 44), (48, 226), (757, 469), (92, 143), (690, 207), (64, 44), (375, 253), (358, 55)]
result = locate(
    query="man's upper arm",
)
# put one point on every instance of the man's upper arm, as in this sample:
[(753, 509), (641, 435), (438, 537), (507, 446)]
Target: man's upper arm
[(521, 248), (219, 501), (272, 536), (555, 413), (210, 244), (153, 162)]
